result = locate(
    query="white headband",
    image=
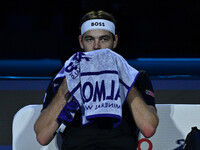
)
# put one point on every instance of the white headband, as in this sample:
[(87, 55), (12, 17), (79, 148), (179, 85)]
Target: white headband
[(94, 24)]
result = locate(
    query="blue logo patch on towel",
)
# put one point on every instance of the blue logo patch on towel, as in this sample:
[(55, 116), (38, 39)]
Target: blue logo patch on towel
[(73, 67)]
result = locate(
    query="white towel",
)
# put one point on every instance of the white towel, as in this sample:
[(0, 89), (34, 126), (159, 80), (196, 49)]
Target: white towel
[(99, 82)]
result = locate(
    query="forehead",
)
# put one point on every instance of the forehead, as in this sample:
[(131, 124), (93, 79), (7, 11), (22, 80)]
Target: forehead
[(97, 33)]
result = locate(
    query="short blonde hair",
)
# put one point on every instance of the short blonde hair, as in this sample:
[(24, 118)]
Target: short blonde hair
[(97, 15)]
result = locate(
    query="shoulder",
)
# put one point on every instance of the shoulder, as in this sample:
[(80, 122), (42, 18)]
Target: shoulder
[(49, 94), (144, 86)]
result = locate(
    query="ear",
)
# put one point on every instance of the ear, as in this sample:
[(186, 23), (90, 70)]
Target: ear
[(115, 42), (80, 41)]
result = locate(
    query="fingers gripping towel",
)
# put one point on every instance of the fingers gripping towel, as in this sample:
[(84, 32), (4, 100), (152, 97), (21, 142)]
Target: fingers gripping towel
[(99, 82)]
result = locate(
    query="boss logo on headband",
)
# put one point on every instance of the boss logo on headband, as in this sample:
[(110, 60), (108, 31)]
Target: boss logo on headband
[(97, 24)]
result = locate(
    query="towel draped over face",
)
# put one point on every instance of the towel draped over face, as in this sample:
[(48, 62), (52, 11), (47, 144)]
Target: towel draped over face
[(99, 82)]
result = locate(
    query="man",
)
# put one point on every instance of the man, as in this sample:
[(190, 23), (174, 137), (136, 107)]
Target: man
[(139, 112)]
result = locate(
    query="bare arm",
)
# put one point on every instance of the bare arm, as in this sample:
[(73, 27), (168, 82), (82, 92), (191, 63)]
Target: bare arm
[(144, 115), (46, 125)]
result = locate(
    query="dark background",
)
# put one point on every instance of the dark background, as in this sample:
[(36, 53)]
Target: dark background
[(37, 29)]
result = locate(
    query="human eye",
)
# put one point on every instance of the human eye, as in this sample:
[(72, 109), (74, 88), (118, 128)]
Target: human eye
[(105, 39), (88, 39)]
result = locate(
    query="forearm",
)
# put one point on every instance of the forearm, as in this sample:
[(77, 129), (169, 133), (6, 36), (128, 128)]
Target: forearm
[(46, 125), (144, 115)]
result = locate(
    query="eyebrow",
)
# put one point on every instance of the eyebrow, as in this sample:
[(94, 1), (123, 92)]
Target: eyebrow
[(87, 36), (102, 36)]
